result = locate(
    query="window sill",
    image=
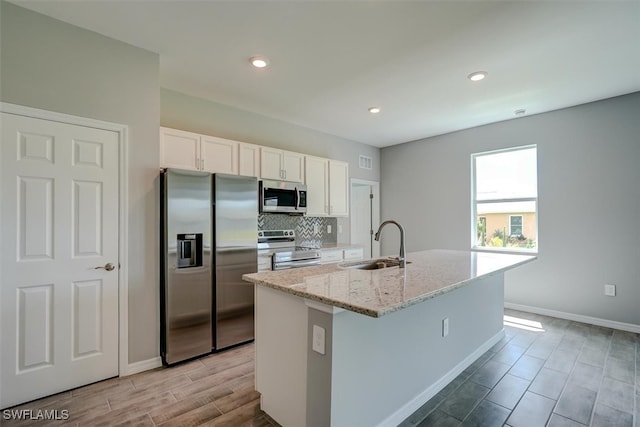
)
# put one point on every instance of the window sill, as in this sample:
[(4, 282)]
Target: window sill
[(506, 251)]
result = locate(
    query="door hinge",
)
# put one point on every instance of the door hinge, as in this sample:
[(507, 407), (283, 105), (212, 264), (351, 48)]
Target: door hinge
[(371, 195)]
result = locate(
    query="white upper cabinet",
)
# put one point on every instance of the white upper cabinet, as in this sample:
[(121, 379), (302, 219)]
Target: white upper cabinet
[(187, 150), (327, 180), (179, 149), (281, 165), (270, 163), (327, 187), (218, 155), (316, 171), (249, 155), (338, 188)]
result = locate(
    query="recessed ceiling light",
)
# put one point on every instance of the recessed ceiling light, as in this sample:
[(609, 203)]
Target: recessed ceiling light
[(374, 110), (477, 76), (258, 61)]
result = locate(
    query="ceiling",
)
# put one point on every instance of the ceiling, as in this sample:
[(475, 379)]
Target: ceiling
[(329, 61)]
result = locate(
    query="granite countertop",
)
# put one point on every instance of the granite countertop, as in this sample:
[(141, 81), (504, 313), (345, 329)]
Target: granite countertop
[(378, 292)]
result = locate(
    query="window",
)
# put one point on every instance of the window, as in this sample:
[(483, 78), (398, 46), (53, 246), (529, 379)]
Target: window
[(515, 225), (505, 200)]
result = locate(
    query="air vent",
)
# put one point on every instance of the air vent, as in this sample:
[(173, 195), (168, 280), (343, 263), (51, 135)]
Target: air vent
[(365, 162)]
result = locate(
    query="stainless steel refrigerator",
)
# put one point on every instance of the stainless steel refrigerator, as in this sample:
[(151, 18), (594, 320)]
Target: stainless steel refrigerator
[(235, 231), (208, 234)]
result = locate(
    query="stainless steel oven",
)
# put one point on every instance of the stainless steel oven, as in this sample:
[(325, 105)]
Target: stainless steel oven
[(284, 252)]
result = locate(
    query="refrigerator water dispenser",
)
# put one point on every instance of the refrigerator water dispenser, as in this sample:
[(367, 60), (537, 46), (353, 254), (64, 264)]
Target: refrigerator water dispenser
[(189, 250)]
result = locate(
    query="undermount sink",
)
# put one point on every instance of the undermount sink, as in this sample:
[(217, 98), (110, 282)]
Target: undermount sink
[(371, 264)]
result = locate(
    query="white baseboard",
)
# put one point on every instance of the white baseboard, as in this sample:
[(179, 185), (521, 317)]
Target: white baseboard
[(629, 327), (143, 365), (407, 410)]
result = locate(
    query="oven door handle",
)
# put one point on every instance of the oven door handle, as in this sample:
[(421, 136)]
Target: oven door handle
[(295, 264)]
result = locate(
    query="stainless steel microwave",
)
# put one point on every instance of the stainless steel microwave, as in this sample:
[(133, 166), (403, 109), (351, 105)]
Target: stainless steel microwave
[(283, 197)]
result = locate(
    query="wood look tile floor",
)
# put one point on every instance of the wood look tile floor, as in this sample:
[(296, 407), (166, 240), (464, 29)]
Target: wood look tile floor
[(215, 390), (545, 372)]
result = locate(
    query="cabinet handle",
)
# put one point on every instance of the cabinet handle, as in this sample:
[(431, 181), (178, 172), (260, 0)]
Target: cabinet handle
[(201, 164)]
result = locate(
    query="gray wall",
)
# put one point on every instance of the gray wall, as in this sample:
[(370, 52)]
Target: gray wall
[(589, 203), (50, 65), (54, 66), (180, 111)]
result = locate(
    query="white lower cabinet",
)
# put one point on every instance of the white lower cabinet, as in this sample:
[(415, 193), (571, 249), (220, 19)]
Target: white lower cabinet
[(328, 256), (353, 254)]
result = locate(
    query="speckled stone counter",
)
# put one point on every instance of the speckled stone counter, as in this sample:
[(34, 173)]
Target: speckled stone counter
[(378, 292)]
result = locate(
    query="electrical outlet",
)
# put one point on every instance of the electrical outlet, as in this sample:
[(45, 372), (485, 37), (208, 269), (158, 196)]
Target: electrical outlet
[(329, 228), (316, 229), (610, 290), (445, 326), (339, 228), (317, 344)]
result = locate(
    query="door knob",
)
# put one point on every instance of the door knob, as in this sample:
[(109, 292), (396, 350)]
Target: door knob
[(108, 266)]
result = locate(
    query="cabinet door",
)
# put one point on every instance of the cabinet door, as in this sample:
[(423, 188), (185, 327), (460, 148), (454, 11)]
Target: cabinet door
[(353, 254), (179, 149), (338, 188), (317, 180), (249, 156), (270, 163), (330, 256), (293, 165), (219, 155)]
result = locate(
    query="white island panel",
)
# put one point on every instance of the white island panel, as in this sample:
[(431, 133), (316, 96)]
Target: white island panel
[(384, 352)]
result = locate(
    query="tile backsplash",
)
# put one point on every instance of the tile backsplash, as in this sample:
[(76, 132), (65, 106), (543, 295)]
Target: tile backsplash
[(304, 227)]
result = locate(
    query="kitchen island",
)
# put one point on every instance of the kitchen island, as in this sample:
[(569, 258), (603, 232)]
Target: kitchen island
[(339, 346)]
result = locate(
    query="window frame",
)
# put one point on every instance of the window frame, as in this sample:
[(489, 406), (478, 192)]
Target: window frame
[(474, 205), (521, 224)]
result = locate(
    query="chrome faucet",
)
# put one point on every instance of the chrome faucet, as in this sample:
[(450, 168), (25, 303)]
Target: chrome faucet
[(401, 259)]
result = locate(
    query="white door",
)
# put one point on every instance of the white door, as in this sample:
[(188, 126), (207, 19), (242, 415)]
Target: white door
[(58, 271), (365, 216)]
